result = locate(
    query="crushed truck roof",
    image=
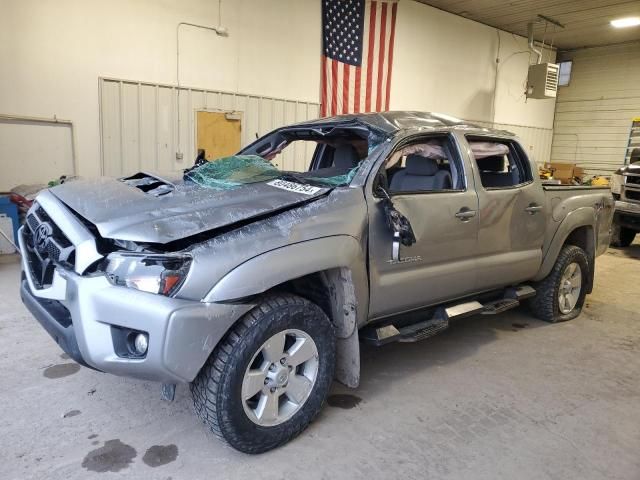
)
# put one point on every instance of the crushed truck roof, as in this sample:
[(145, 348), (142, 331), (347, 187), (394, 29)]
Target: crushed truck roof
[(394, 121)]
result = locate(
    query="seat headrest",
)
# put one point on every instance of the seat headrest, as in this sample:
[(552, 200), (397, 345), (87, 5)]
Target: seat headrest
[(419, 165), (494, 163), (345, 156)]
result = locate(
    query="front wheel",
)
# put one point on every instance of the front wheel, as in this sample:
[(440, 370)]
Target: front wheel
[(267, 380), (560, 296)]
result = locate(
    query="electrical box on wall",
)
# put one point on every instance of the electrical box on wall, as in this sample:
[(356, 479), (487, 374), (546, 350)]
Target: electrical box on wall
[(542, 81)]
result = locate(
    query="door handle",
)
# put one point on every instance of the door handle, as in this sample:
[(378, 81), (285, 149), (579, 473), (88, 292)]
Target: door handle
[(533, 209), (465, 214)]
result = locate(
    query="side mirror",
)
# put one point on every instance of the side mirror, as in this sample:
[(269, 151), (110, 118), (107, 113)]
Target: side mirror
[(398, 224), (396, 221)]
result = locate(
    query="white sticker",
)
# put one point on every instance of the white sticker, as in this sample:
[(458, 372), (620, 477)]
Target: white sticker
[(294, 187)]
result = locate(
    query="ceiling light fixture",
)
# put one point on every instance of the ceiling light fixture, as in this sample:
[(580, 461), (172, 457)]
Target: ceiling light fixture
[(626, 22)]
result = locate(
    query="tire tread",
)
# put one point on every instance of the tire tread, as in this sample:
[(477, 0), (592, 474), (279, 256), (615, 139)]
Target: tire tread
[(207, 387), (543, 304)]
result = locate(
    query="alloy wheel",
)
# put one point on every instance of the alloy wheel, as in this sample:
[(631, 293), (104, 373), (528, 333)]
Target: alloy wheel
[(280, 377)]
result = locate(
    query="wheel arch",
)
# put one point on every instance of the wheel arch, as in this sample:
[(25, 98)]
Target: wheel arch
[(329, 271), (576, 229)]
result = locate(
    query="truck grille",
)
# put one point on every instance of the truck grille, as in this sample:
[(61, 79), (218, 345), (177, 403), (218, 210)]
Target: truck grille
[(47, 247), (632, 195), (632, 179)]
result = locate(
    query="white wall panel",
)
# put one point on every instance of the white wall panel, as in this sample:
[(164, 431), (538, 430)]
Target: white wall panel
[(139, 124), (594, 113), (44, 153)]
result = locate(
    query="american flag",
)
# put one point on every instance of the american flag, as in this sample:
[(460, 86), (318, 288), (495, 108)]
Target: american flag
[(357, 55)]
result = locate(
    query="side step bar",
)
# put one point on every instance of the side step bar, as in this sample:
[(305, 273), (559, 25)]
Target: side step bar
[(440, 320)]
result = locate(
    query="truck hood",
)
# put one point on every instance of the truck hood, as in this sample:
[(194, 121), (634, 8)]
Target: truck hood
[(124, 211), (631, 168)]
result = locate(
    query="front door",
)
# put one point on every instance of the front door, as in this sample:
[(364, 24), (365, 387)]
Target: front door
[(426, 180)]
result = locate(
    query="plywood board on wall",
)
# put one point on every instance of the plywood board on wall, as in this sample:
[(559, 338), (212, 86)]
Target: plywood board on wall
[(218, 133)]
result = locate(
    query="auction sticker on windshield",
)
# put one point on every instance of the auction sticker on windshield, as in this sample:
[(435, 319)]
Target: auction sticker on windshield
[(294, 187)]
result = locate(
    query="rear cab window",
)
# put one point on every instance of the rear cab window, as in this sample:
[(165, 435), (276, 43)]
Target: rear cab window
[(501, 163)]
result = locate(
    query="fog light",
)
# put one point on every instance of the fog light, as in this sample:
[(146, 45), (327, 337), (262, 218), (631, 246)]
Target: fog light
[(141, 343)]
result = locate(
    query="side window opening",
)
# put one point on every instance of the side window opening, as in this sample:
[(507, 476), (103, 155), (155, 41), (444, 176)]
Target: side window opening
[(501, 163), (425, 166)]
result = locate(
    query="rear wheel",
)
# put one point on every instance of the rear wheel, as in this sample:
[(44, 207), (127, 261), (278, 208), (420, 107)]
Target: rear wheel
[(267, 380), (621, 236), (560, 296)]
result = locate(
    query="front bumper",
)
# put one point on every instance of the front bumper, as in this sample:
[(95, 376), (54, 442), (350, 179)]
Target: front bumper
[(627, 207), (78, 311), (54, 318), (627, 214)]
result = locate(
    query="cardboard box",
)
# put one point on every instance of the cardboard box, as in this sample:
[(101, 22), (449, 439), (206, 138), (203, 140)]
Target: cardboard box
[(565, 172)]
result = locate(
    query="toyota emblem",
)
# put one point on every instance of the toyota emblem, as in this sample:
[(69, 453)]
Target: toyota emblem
[(43, 232)]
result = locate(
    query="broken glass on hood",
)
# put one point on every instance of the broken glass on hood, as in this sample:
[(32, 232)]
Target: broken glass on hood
[(232, 172)]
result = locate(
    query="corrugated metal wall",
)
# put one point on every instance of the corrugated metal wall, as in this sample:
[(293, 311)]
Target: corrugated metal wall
[(537, 141), (594, 113), (139, 124)]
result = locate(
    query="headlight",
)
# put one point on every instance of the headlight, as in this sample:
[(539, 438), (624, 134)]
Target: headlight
[(616, 183), (154, 273)]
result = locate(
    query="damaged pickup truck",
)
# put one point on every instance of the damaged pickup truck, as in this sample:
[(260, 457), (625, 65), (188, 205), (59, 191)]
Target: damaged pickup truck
[(256, 285)]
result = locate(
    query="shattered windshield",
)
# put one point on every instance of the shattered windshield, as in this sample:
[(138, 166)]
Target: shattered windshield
[(322, 156), (231, 172)]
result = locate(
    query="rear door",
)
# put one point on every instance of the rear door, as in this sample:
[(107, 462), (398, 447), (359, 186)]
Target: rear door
[(511, 220), (441, 264)]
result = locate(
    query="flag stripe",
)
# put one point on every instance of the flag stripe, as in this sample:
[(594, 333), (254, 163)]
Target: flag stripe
[(334, 93), (345, 87), (383, 33), (372, 28), (365, 56), (356, 92), (392, 35)]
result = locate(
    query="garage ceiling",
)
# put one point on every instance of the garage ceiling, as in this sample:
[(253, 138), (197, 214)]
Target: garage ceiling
[(586, 22)]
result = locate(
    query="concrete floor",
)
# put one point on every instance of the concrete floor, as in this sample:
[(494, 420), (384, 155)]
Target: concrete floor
[(493, 397)]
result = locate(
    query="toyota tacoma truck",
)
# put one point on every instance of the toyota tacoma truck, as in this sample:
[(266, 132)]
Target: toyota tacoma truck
[(255, 285), (625, 186)]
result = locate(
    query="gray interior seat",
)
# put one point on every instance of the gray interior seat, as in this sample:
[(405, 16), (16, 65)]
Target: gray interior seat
[(345, 157), (492, 174), (420, 174)]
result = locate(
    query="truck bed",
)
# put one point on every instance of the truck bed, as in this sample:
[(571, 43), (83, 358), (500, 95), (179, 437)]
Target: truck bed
[(555, 187)]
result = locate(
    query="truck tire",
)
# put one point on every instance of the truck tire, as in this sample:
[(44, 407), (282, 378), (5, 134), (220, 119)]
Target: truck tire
[(621, 236), (268, 378), (560, 296)]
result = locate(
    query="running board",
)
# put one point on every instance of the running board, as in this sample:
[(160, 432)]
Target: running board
[(440, 320), (421, 330), (499, 306)]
